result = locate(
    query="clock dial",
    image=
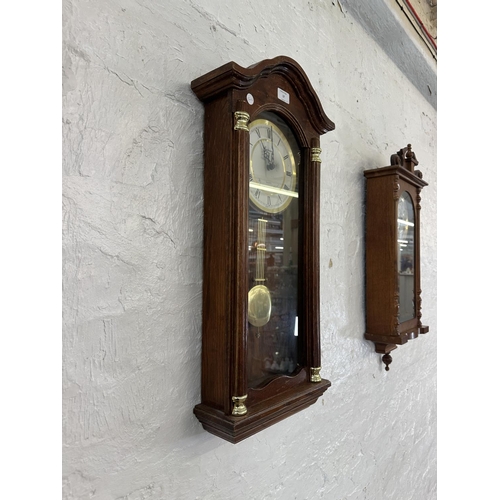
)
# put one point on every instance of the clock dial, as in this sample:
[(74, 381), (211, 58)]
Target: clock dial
[(272, 167), (273, 250)]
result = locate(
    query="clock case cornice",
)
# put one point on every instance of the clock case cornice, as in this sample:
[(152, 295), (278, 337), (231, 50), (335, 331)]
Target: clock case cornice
[(233, 76), (402, 172)]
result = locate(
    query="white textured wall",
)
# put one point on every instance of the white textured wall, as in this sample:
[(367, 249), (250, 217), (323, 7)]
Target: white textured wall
[(133, 175)]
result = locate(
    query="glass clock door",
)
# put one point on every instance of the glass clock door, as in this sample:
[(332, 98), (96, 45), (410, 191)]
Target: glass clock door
[(406, 257), (273, 250)]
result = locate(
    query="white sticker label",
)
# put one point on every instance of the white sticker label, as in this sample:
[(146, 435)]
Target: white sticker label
[(250, 99), (283, 96)]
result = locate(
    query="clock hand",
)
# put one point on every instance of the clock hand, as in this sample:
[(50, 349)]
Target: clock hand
[(266, 155), (272, 153), (265, 152)]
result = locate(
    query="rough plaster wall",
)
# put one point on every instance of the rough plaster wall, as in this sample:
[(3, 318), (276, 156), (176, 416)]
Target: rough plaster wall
[(133, 210)]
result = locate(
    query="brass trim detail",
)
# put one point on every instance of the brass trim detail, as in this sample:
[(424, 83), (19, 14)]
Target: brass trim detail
[(315, 152), (315, 376), (239, 407), (241, 119)]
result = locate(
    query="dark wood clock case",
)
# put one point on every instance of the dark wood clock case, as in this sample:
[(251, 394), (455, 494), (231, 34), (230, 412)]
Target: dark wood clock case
[(233, 96), (385, 324)]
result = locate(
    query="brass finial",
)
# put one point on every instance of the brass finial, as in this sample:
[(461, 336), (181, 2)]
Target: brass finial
[(315, 155), (239, 407), (315, 376), (241, 119)]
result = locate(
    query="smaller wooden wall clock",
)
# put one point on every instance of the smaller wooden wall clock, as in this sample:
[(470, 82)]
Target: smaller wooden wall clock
[(393, 294), (260, 336)]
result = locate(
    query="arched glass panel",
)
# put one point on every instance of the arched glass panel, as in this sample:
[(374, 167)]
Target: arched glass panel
[(406, 257), (273, 250)]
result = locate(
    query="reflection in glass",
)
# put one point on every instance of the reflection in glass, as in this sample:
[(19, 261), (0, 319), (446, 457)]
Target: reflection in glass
[(406, 257), (273, 250)]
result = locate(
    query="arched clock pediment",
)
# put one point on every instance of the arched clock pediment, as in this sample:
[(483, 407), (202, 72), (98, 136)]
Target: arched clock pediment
[(234, 76)]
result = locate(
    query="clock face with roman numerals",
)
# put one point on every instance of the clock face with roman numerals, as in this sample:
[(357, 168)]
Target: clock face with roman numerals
[(272, 167)]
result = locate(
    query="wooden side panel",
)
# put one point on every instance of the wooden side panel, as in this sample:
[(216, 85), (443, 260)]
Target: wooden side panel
[(381, 257), (217, 275)]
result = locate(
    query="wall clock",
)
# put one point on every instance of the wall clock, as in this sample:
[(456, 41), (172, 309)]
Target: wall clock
[(260, 337), (393, 294)]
